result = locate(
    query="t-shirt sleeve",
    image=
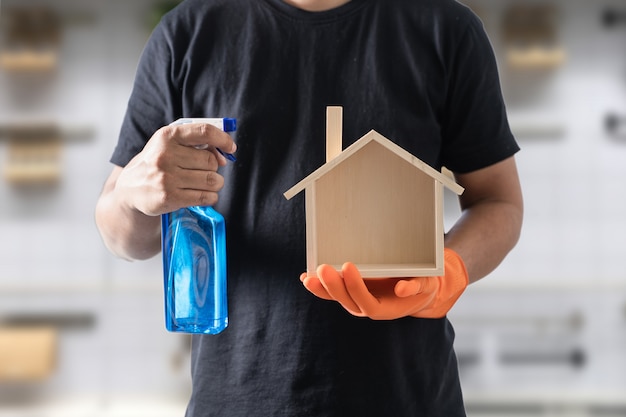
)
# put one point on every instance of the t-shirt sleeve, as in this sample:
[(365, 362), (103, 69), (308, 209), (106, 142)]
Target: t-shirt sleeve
[(154, 100), (476, 129)]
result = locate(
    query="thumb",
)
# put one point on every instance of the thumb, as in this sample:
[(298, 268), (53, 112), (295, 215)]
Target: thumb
[(408, 287), (418, 285)]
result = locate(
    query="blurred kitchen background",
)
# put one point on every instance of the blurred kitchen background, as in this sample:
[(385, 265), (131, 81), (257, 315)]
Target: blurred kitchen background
[(82, 333)]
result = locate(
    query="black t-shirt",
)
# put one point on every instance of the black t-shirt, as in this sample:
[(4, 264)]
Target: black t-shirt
[(421, 73)]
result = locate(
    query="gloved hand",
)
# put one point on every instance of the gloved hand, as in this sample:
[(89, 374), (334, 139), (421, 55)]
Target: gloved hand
[(391, 298)]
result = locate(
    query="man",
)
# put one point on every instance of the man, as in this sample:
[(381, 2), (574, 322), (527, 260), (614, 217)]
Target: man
[(420, 72)]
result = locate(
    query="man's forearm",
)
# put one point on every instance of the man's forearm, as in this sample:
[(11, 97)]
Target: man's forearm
[(131, 236), (491, 222), (127, 233), (484, 235)]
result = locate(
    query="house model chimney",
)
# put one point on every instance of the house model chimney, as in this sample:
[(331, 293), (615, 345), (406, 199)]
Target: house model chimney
[(334, 125)]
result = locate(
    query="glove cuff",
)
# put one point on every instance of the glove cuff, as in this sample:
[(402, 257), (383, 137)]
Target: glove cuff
[(455, 273), (452, 285)]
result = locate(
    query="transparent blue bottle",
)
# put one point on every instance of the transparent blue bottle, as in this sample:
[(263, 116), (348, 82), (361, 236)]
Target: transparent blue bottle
[(193, 241), (194, 265)]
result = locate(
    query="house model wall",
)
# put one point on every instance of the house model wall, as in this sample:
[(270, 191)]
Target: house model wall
[(375, 205)]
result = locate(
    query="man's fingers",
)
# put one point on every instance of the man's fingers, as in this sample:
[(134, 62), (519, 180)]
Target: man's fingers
[(358, 291), (202, 136), (200, 180), (200, 159), (315, 286), (334, 285), (199, 134)]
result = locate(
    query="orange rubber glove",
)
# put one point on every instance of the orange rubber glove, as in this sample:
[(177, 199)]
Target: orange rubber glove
[(391, 298)]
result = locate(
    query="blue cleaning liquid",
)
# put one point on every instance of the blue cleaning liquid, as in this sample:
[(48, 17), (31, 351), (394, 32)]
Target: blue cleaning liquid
[(194, 265)]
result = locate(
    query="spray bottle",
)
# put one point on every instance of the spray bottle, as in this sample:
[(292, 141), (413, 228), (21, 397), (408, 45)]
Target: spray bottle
[(193, 241)]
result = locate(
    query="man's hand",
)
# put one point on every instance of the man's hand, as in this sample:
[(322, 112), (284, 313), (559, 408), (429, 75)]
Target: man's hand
[(391, 298), (171, 172)]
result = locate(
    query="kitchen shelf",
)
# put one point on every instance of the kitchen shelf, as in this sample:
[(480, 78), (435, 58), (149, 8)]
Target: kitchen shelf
[(33, 162), (35, 148), (541, 402), (25, 129), (530, 37), (28, 61), (535, 58), (100, 406), (37, 288)]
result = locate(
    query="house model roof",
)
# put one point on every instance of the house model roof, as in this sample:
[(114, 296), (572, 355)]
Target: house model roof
[(373, 136)]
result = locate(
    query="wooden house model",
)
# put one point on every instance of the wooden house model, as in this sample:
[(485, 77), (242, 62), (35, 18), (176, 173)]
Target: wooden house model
[(376, 205)]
